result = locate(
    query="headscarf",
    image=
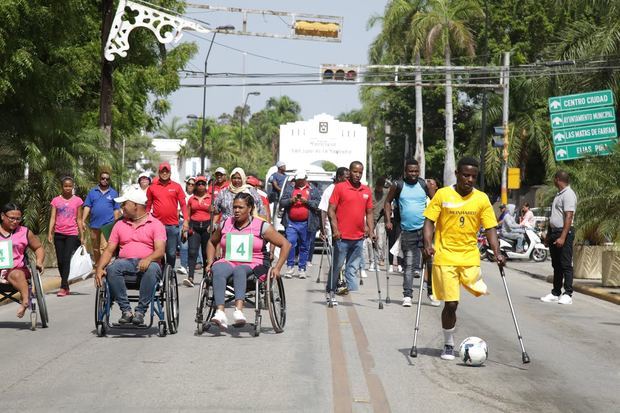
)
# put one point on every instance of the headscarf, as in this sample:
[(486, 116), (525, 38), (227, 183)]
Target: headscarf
[(244, 187)]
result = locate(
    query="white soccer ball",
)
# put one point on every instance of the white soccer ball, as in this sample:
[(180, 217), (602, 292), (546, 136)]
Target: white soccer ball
[(473, 351)]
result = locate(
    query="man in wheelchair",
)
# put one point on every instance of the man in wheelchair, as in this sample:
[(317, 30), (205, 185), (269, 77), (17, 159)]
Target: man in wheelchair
[(141, 242)]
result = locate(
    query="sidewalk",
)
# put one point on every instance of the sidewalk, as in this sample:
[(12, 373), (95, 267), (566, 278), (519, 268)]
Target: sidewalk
[(50, 281), (544, 271)]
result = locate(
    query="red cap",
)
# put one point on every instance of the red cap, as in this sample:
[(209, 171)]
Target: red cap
[(252, 181), (200, 178), (164, 165)]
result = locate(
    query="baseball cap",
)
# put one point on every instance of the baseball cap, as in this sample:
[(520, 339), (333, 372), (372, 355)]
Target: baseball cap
[(301, 174), (190, 179), (144, 175), (200, 178), (280, 164), (132, 194), (164, 165), (252, 180), (220, 170)]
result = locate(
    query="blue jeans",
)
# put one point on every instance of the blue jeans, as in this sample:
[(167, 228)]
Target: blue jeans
[(221, 272), (115, 274), (297, 233), (411, 242), (352, 251), (172, 234)]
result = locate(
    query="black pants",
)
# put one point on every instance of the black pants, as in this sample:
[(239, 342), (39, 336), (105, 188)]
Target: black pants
[(197, 241), (65, 246), (562, 261)]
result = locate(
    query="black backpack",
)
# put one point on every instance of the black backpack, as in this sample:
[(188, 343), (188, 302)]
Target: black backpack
[(399, 188)]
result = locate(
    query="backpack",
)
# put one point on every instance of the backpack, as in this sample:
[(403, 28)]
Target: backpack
[(399, 188)]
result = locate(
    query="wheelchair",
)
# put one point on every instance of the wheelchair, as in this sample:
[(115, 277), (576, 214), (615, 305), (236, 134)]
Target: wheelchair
[(36, 295), (164, 303), (263, 292)]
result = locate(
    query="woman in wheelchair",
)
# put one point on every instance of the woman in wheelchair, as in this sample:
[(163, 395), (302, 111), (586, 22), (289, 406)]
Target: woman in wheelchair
[(243, 238), (14, 239)]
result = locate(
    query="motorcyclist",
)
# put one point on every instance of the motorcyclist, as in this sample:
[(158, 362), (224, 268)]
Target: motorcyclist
[(512, 230)]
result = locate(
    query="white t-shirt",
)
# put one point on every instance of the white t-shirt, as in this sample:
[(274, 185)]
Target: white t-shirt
[(324, 204)]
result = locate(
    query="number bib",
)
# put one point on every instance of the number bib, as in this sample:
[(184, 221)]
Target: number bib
[(6, 254), (239, 247)]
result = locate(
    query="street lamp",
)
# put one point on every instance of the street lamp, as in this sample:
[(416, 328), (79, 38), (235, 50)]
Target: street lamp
[(245, 103), (204, 97)]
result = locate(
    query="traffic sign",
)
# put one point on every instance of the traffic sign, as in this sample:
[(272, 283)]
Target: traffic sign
[(583, 117), (581, 101), (581, 150), (585, 133)]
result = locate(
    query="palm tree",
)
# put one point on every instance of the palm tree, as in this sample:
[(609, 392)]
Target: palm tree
[(443, 25), (174, 130)]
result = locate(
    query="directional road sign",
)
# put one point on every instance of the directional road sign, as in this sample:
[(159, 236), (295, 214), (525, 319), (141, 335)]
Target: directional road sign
[(583, 117), (581, 101), (581, 150), (585, 133)]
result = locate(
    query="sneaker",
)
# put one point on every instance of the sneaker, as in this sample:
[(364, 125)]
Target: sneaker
[(309, 264), (416, 274), (239, 318), (550, 298), (407, 302), (363, 274), (182, 271), (126, 317), (400, 268), (302, 274), (220, 320), (372, 267), (290, 271), (448, 352), (565, 299), (63, 292), (433, 301), (391, 268), (334, 302), (188, 282), (138, 319)]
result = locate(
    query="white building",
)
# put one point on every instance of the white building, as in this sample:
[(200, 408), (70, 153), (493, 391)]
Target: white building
[(168, 150)]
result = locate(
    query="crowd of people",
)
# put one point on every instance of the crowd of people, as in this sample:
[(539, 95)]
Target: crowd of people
[(410, 225)]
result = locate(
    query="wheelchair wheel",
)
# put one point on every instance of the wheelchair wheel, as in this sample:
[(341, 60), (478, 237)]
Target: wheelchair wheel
[(40, 296), (101, 318), (276, 301), (202, 305), (172, 299)]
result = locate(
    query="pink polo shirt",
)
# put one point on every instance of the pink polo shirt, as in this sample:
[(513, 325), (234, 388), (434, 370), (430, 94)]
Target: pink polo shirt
[(137, 242)]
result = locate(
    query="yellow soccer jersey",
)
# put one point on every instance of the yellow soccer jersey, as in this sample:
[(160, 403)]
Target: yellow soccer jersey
[(457, 221)]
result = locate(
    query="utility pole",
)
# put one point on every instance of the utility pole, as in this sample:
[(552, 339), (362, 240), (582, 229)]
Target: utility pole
[(106, 86), (485, 101), (419, 119), (505, 113)]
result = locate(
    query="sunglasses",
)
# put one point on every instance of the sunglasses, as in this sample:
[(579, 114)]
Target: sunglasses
[(201, 183), (104, 178)]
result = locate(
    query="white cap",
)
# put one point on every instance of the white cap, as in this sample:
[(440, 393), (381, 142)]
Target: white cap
[(220, 170), (280, 164), (144, 175), (133, 194), (301, 174)]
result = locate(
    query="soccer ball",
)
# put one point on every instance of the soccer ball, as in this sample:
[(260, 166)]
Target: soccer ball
[(473, 351)]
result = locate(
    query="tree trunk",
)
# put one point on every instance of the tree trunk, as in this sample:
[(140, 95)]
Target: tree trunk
[(105, 99), (419, 119), (449, 166)]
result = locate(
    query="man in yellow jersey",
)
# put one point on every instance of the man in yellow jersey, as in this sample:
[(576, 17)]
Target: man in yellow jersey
[(454, 215)]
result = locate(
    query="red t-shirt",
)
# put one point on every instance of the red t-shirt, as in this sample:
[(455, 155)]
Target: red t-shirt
[(299, 211), (199, 208), (216, 189), (165, 198), (351, 204)]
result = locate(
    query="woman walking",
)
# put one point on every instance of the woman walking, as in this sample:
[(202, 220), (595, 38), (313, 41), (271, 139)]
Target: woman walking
[(196, 227), (64, 230)]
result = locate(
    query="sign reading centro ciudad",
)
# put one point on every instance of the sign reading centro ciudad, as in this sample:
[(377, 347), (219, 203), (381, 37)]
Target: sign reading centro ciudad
[(583, 124)]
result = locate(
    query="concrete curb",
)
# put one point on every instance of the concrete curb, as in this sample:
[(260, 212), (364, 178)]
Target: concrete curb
[(49, 284), (596, 292)]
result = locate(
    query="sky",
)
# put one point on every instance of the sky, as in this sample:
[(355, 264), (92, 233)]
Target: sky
[(306, 56)]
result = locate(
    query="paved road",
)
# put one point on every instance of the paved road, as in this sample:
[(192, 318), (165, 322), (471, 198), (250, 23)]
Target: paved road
[(351, 358)]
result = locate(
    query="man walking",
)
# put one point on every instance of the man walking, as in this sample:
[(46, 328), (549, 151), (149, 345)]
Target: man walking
[(560, 239), (410, 195), (299, 201), (276, 182), (102, 209), (454, 215), (164, 198), (350, 213)]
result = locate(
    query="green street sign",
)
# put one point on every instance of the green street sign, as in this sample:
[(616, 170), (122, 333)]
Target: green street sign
[(581, 101), (581, 150), (585, 133), (583, 117)]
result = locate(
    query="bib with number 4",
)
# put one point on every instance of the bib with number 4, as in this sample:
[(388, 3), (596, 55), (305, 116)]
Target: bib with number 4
[(239, 247), (6, 254)]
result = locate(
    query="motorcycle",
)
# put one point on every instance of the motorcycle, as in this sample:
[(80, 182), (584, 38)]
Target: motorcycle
[(533, 248)]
